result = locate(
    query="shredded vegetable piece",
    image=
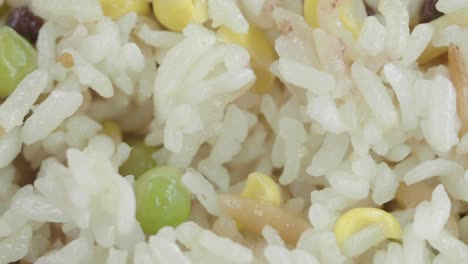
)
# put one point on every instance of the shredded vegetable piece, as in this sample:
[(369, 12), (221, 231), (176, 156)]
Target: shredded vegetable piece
[(459, 78), (254, 215)]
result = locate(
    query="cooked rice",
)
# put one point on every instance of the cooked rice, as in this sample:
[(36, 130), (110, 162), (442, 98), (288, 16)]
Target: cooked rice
[(348, 121)]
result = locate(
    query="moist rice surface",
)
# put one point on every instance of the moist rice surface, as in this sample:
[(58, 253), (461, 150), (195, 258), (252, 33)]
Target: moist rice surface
[(352, 116)]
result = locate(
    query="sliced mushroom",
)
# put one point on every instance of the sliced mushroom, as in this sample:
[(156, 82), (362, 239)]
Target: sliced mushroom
[(459, 78), (254, 215)]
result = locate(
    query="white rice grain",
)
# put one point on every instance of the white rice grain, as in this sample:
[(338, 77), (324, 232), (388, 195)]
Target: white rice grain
[(270, 110), (279, 255), (202, 188), (447, 244), (372, 36), (362, 240), (330, 154), (45, 45), (235, 131), (39, 243), (36, 129), (397, 23), (227, 13), (16, 246), (349, 185), (55, 144), (68, 12), (432, 168), (323, 109), (398, 153), (330, 251), (79, 248), (10, 147), (272, 237), (37, 208), (188, 234), (225, 248), (330, 198), (321, 216), (143, 253), (306, 76), (419, 39), (117, 256), (431, 217), (126, 24), (167, 251), (295, 49), (375, 95), (102, 41), (404, 92), (414, 248), (329, 49), (80, 128), (385, 185), (19, 103), (394, 254), (452, 34), (158, 39), (293, 135), (90, 76), (448, 6), (442, 124), (215, 172)]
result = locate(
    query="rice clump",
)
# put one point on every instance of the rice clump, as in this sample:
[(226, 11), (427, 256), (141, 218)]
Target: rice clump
[(348, 120)]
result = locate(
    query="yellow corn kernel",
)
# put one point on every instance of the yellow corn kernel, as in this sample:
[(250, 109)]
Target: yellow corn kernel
[(455, 18), (310, 12), (177, 14), (261, 187), (352, 14), (112, 129), (117, 8), (358, 218), (261, 52)]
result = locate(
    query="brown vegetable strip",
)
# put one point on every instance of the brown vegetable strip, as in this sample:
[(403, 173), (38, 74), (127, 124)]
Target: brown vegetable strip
[(459, 78), (254, 215)]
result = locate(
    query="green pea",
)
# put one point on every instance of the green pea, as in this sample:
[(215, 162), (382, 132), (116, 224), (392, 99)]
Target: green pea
[(162, 200), (140, 159), (17, 59)]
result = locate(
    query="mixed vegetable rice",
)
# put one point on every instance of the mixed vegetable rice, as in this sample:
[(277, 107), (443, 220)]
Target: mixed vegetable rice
[(233, 131)]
